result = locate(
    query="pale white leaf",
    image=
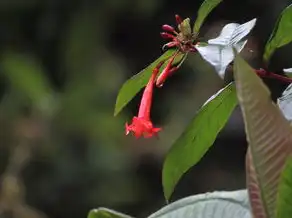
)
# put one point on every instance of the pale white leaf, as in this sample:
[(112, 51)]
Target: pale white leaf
[(219, 56), (219, 51), (241, 31), (225, 36), (285, 103), (288, 70), (209, 205)]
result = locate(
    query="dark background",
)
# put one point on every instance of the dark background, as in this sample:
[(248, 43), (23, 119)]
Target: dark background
[(62, 63)]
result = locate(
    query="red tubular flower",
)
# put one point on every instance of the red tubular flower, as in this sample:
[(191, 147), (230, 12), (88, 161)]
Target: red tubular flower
[(167, 71), (178, 19), (142, 125)]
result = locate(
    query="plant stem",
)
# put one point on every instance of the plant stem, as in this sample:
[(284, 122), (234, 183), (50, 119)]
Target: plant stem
[(266, 74)]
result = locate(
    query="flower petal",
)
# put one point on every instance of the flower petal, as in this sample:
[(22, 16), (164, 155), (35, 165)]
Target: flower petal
[(225, 36), (242, 30), (233, 33), (141, 126), (219, 56), (288, 70), (285, 103)]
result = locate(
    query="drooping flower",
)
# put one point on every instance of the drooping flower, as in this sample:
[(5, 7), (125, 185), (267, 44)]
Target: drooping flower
[(142, 125)]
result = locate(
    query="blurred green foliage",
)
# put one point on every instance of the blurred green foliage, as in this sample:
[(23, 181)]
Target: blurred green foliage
[(59, 79)]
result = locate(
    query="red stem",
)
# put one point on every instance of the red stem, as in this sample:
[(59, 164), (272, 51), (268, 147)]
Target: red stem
[(264, 73)]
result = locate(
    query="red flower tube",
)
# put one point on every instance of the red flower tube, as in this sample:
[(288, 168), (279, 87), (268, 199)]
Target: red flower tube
[(142, 124), (167, 71)]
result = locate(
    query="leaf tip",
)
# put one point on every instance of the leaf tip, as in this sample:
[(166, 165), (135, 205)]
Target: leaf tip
[(168, 185), (167, 196), (116, 112), (118, 105)]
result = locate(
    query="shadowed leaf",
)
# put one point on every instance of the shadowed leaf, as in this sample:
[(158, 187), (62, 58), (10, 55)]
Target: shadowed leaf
[(269, 137)]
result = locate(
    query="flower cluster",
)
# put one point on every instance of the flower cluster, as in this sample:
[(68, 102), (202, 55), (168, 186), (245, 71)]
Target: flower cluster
[(184, 42), (184, 39)]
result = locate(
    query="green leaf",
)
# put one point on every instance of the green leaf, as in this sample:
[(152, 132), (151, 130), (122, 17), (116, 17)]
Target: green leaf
[(281, 34), (26, 75), (269, 136), (233, 204), (133, 85), (200, 134), (284, 201), (204, 10), (106, 213)]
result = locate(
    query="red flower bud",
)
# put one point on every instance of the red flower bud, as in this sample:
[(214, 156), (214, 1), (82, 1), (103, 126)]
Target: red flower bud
[(167, 35), (167, 71), (168, 28), (178, 19)]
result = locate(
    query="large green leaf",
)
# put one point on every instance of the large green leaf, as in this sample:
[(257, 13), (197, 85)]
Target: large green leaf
[(200, 134), (233, 204), (106, 213), (284, 201), (281, 34), (204, 10), (26, 75), (133, 85), (269, 137)]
